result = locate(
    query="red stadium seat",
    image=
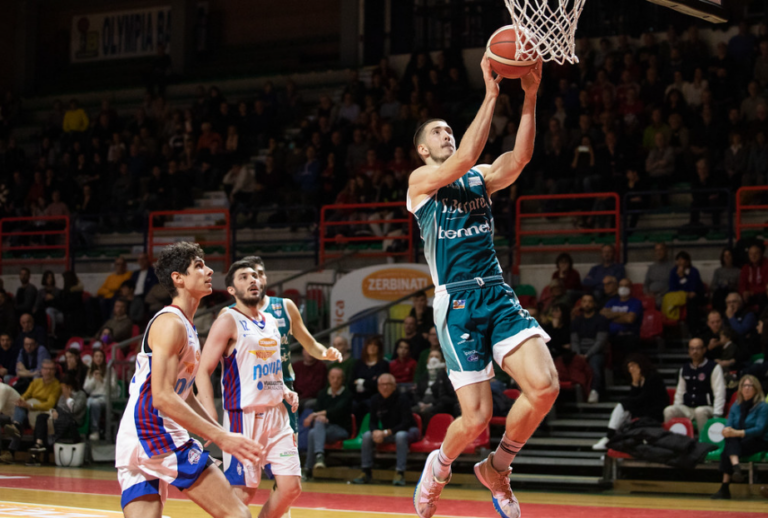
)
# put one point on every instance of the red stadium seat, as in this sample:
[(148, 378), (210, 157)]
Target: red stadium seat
[(436, 430), (527, 301), (652, 325), (338, 445), (482, 441), (135, 331), (615, 454), (680, 425), (649, 302), (637, 290), (294, 295), (512, 394), (671, 394)]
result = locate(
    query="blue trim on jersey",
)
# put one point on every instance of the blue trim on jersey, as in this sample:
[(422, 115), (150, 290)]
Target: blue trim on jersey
[(191, 461), (230, 381), (235, 474), (148, 487), (150, 429)]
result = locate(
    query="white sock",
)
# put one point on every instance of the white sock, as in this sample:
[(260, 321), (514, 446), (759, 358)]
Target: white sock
[(442, 468), (505, 453)]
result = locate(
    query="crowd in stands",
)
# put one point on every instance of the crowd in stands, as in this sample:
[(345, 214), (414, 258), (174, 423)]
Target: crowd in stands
[(631, 116)]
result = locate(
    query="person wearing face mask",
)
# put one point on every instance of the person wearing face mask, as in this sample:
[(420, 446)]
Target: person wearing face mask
[(434, 393), (625, 313)]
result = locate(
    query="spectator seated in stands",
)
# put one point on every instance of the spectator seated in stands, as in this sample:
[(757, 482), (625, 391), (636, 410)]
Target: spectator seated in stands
[(112, 285), (365, 373), (607, 267), (570, 367), (29, 363), (414, 337), (40, 397), (26, 293), (743, 322), (589, 338), (725, 280), (144, 278), (557, 296), (570, 277), (434, 345), (29, 329), (73, 364), (423, 314), (347, 362), (118, 328), (48, 302), (746, 433), (754, 278), (403, 367), (310, 377), (434, 393), (9, 354), (66, 418), (685, 290), (625, 314), (7, 314), (647, 398), (391, 421), (157, 298), (136, 308), (96, 387), (610, 290), (700, 392), (656, 281), (330, 422), (721, 342)]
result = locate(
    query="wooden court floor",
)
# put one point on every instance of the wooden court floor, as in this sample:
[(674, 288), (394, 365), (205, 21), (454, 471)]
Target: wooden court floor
[(50, 492)]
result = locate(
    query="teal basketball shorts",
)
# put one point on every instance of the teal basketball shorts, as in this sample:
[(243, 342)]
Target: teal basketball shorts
[(480, 321)]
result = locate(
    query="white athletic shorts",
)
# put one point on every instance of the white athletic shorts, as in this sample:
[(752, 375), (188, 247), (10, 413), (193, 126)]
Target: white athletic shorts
[(145, 475), (270, 428)]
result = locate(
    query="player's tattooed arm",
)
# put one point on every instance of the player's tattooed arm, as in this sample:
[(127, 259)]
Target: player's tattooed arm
[(305, 338)]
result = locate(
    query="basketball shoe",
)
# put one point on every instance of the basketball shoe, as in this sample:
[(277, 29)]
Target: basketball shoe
[(504, 500), (428, 489)]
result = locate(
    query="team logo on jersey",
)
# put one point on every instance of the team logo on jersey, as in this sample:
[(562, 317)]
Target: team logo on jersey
[(260, 371), (239, 469), (472, 356), (262, 355), (459, 304), (278, 309), (474, 181), (260, 415), (291, 453), (194, 456), (267, 342), (189, 367)]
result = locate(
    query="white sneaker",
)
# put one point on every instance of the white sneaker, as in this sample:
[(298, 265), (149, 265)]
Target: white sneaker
[(504, 500), (428, 489), (94, 436), (594, 397), (601, 445)]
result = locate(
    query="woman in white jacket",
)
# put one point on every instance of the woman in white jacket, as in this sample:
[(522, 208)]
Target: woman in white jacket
[(96, 387)]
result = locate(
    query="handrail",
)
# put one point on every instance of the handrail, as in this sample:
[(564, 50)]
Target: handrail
[(626, 231), (519, 233), (36, 219), (741, 207), (325, 223)]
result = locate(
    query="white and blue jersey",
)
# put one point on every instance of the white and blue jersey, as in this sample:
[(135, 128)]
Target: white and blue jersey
[(152, 450)]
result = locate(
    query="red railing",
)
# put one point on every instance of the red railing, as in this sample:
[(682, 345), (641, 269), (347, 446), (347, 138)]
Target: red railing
[(325, 224), (39, 221), (742, 207), (154, 231), (520, 216)]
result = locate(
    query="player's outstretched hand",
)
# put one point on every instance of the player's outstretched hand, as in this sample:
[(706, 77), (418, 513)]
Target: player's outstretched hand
[(245, 450), (292, 398), (491, 83), (531, 81), (332, 354)]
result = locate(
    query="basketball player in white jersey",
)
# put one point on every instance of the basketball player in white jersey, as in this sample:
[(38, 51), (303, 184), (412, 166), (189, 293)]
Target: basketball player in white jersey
[(153, 447), (247, 343)]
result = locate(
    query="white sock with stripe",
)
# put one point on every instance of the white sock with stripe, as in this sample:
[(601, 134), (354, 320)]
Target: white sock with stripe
[(505, 453)]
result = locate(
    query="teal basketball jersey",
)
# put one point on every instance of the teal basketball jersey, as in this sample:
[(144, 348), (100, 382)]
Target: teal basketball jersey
[(456, 226), (276, 307)]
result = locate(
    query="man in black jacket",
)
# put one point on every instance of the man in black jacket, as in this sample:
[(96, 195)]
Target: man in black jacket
[(391, 421), (330, 422)]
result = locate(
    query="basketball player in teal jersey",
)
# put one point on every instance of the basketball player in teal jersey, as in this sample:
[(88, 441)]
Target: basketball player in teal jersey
[(477, 316)]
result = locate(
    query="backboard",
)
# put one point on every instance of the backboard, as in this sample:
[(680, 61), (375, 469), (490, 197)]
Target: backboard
[(714, 11)]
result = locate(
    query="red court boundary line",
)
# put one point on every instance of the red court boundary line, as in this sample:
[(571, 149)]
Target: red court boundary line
[(386, 504)]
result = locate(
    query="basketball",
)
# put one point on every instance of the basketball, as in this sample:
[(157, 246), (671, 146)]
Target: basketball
[(502, 50)]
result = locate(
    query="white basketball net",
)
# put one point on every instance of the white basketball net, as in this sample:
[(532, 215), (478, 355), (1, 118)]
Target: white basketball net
[(549, 25)]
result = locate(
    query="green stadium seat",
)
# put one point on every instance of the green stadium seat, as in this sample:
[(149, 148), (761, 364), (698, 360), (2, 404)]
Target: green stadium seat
[(580, 239), (525, 289), (637, 237), (687, 237), (712, 434), (605, 240), (713, 235), (530, 241), (661, 237), (84, 428), (357, 442), (554, 241)]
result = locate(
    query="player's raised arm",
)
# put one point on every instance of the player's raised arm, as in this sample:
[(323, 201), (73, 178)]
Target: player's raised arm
[(439, 172), (505, 169), (305, 338), (222, 332), (168, 336)]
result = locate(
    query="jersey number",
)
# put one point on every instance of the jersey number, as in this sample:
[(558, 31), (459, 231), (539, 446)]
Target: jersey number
[(244, 324), (182, 384)]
